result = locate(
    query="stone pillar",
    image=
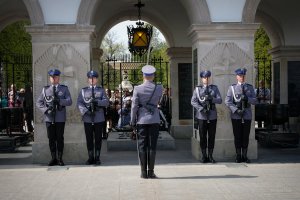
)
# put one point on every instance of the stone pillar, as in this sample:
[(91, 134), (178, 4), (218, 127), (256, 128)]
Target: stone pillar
[(285, 55), (66, 47), (222, 48), (179, 128)]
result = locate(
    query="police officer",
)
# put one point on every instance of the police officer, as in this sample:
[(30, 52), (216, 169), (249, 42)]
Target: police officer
[(238, 99), (52, 102), (91, 103), (145, 117), (204, 98)]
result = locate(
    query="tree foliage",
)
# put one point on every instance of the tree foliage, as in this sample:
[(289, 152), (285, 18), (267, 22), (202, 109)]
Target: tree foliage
[(263, 59), (15, 40), (112, 48)]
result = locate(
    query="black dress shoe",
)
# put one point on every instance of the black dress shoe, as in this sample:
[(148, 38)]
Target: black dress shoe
[(90, 162), (52, 162), (238, 159), (151, 174), (144, 174), (60, 163)]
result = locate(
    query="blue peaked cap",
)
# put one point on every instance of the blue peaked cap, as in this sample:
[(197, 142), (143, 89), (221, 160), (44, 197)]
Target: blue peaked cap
[(54, 72), (92, 74), (205, 74), (241, 71)]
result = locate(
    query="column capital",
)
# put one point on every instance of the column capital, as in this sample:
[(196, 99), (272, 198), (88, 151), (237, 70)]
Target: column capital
[(222, 31), (179, 52), (285, 52), (61, 33)]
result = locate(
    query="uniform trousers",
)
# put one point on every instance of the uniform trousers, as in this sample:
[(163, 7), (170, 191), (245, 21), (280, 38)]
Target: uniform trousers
[(93, 132), (241, 132), (207, 129), (147, 137), (55, 134)]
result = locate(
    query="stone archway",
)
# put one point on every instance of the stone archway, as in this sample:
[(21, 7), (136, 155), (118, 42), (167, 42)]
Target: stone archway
[(35, 12), (197, 11), (249, 11)]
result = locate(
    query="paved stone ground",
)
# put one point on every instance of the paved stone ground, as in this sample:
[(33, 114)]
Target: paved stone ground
[(275, 175)]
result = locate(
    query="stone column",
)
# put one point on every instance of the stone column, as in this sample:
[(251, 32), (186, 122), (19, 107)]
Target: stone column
[(179, 128), (66, 47), (222, 48), (283, 55)]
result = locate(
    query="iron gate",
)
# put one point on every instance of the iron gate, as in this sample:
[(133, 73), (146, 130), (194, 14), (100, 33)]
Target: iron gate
[(128, 68), (124, 73), (14, 69)]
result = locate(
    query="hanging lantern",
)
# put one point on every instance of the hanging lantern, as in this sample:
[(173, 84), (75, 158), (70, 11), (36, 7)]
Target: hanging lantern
[(139, 37)]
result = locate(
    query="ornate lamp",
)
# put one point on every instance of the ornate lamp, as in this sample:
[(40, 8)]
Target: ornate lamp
[(139, 37)]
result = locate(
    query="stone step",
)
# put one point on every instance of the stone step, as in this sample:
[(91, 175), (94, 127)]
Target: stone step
[(120, 141)]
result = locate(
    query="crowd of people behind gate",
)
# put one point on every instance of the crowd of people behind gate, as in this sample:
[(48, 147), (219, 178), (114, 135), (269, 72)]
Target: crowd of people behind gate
[(22, 98)]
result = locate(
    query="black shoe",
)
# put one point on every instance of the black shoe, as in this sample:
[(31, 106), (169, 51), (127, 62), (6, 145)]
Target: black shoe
[(238, 159), (204, 156), (144, 174), (210, 157), (244, 156), (53, 161), (91, 160), (151, 174), (98, 162), (204, 159), (60, 162), (97, 158)]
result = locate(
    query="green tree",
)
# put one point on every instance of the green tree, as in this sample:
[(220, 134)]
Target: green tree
[(112, 48), (15, 55), (263, 59), (15, 40)]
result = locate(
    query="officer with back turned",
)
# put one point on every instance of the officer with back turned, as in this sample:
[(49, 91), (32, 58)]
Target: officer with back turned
[(204, 100), (52, 102), (239, 98), (91, 103), (145, 117)]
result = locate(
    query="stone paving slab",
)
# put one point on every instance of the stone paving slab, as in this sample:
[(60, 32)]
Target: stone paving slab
[(179, 181), (275, 175)]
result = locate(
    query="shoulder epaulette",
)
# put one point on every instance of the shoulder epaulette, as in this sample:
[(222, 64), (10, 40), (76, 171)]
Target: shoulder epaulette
[(200, 86), (47, 86), (85, 88), (233, 84), (63, 85)]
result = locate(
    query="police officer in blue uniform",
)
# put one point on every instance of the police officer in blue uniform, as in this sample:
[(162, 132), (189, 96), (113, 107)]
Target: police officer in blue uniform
[(52, 102), (204, 100), (239, 98), (91, 103), (145, 117)]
